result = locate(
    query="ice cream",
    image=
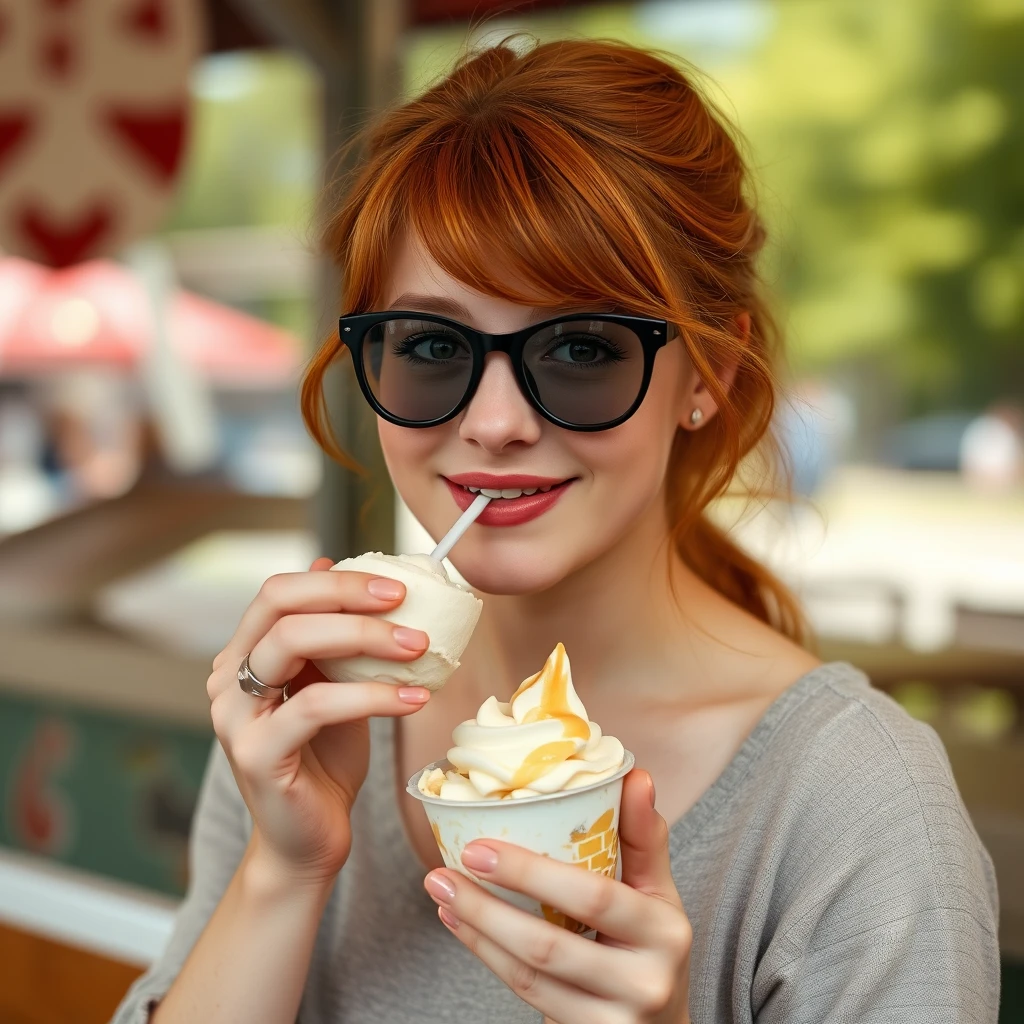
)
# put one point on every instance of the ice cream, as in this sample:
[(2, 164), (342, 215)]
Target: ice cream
[(444, 610), (540, 742), (534, 772)]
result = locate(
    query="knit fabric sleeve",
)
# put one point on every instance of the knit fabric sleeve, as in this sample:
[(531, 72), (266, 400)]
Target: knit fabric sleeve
[(891, 914)]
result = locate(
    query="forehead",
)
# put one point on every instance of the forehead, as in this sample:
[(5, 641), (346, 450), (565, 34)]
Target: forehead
[(411, 268), (415, 281)]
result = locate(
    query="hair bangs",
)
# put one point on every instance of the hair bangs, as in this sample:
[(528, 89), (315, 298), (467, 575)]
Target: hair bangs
[(524, 219)]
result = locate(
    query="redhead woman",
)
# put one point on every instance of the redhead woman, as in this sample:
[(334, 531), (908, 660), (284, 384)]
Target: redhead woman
[(557, 249)]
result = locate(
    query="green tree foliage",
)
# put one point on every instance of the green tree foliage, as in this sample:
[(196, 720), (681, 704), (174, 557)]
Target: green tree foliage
[(254, 151)]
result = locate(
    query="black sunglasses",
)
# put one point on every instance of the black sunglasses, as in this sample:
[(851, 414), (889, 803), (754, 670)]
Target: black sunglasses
[(581, 371)]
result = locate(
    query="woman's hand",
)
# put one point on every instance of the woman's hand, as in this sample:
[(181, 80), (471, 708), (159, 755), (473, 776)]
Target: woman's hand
[(299, 764), (636, 971)]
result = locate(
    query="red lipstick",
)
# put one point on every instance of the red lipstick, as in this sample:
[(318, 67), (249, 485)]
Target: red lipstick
[(507, 511)]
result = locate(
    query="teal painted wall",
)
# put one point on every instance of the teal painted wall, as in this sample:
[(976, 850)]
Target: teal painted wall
[(104, 792)]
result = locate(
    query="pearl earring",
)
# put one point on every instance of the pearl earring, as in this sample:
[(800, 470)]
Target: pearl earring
[(696, 416)]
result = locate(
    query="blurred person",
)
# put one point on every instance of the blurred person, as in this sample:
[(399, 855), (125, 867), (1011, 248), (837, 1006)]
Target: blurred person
[(96, 433), (27, 496), (809, 858), (814, 427), (992, 448)]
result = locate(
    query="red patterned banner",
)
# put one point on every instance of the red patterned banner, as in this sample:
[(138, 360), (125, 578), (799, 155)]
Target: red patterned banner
[(93, 121)]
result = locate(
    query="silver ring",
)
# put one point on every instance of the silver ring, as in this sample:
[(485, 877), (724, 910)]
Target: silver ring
[(250, 684)]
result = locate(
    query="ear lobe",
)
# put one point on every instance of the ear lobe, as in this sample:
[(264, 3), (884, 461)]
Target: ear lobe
[(699, 406)]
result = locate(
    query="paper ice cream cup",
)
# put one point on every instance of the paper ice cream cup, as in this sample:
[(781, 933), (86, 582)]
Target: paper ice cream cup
[(577, 826), (446, 612)]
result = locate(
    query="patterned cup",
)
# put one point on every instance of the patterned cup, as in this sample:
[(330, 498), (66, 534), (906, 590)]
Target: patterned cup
[(578, 826)]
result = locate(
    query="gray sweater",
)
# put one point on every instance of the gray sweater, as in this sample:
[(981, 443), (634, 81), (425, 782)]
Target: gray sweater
[(831, 873)]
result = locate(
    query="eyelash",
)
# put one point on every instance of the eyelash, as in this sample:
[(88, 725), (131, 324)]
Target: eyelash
[(407, 346), (612, 352)]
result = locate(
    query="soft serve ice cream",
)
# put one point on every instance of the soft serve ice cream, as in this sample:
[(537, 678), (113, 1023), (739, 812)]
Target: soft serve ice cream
[(541, 741), (540, 744), (444, 610)]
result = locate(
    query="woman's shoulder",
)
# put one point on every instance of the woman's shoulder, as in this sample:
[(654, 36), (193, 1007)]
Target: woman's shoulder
[(839, 733), (859, 888), (857, 782)]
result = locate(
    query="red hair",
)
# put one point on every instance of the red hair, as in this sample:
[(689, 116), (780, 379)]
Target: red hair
[(588, 171)]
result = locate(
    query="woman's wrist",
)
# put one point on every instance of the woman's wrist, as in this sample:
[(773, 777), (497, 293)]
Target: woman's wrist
[(266, 876)]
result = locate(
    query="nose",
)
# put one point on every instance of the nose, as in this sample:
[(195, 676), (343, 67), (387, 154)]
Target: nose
[(498, 414)]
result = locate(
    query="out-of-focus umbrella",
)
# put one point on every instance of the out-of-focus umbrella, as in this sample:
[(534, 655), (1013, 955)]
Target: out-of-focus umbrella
[(98, 312)]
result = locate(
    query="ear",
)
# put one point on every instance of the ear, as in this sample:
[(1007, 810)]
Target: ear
[(698, 405)]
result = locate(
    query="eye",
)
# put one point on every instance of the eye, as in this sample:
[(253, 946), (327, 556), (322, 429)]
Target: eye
[(436, 348), (432, 348), (583, 350)]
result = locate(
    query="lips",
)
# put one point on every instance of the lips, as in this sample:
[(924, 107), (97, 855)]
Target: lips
[(507, 511)]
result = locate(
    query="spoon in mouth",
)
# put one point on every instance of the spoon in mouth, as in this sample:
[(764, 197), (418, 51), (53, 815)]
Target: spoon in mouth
[(462, 524)]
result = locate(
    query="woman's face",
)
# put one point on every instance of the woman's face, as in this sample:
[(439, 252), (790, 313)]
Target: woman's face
[(606, 481)]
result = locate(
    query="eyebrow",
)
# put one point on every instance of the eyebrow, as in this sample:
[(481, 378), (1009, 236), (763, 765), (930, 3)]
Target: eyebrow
[(444, 306), (430, 304)]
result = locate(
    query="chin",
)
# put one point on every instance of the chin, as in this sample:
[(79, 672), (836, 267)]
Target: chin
[(508, 574)]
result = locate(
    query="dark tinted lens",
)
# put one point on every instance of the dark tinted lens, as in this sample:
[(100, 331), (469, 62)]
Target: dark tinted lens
[(585, 371), (417, 369)]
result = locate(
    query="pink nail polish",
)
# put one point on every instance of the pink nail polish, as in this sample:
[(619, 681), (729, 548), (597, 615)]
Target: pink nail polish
[(385, 589), (410, 639), (413, 694), (448, 918), (479, 858), (440, 888)]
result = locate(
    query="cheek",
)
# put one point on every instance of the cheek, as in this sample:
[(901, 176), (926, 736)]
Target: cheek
[(628, 469), (406, 454), (632, 457), (414, 459)]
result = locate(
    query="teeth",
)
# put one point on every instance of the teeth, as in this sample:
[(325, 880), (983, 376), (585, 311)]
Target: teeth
[(507, 492)]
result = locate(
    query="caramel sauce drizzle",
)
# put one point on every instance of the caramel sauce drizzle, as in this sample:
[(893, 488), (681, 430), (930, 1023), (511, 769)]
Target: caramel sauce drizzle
[(540, 760), (554, 703)]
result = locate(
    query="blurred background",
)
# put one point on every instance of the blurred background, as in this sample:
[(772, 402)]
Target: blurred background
[(160, 162)]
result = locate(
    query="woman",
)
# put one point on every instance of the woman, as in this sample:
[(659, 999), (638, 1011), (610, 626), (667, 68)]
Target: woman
[(809, 858)]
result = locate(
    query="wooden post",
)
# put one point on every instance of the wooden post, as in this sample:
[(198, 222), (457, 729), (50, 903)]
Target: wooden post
[(355, 45)]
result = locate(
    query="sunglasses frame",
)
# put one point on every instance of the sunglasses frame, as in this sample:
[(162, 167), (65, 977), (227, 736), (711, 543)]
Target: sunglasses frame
[(353, 329)]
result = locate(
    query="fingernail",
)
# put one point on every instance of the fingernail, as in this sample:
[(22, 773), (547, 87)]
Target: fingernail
[(414, 694), (440, 888), (449, 918), (650, 787), (411, 639), (385, 589), (479, 858)]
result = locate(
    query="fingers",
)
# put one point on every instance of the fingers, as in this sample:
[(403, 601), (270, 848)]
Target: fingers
[(539, 944), (295, 639), (317, 591), (643, 840), (298, 720), (551, 997), (614, 909)]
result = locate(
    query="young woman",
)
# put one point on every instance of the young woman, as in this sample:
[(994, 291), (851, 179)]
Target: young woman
[(809, 858)]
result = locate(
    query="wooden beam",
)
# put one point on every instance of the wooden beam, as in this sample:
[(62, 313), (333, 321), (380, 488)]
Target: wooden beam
[(427, 11), (356, 47)]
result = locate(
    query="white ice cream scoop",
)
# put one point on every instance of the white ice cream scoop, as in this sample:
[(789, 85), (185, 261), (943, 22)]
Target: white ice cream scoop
[(444, 610)]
